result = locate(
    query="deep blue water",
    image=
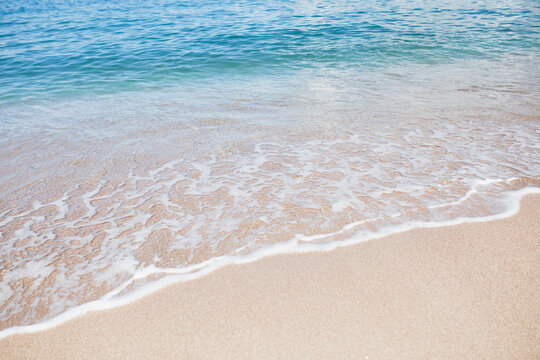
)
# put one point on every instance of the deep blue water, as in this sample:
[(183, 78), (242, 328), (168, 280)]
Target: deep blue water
[(58, 48)]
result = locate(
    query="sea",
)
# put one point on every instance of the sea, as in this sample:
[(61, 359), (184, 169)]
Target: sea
[(144, 143)]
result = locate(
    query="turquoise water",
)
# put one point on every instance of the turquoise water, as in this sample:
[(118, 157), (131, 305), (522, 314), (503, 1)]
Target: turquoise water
[(147, 142), (54, 49)]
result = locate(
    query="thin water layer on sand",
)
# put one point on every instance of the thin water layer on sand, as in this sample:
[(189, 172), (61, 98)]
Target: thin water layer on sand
[(108, 200)]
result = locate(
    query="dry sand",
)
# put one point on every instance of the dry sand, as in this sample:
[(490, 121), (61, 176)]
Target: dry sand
[(463, 292)]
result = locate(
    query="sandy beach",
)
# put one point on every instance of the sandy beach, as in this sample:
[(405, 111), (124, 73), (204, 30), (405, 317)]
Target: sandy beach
[(269, 180), (469, 291)]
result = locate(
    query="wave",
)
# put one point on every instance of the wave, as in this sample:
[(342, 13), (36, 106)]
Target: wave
[(298, 244)]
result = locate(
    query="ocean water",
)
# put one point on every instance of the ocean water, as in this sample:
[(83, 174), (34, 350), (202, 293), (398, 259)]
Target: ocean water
[(147, 142)]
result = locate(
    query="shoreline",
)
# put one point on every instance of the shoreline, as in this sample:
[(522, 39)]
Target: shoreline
[(196, 271), (370, 297)]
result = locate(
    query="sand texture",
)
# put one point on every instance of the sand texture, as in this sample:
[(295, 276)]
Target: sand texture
[(470, 291)]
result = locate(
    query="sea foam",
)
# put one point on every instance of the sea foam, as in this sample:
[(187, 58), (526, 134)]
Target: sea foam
[(298, 244)]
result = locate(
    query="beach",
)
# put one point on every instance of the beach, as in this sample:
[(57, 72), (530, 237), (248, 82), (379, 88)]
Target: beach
[(465, 291), (269, 179)]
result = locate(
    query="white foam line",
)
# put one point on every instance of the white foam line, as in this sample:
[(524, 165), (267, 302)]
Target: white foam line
[(109, 301), (473, 190), (87, 200), (36, 205), (352, 225), (62, 207)]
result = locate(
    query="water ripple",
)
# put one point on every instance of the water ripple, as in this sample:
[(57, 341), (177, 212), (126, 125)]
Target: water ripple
[(48, 48)]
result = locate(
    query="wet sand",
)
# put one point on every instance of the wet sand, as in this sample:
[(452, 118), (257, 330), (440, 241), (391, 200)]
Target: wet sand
[(469, 291)]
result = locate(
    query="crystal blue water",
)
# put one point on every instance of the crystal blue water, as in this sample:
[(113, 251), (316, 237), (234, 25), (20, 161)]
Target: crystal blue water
[(54, 49)]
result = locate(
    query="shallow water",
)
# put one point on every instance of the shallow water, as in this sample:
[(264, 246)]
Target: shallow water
[(141, 139)]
